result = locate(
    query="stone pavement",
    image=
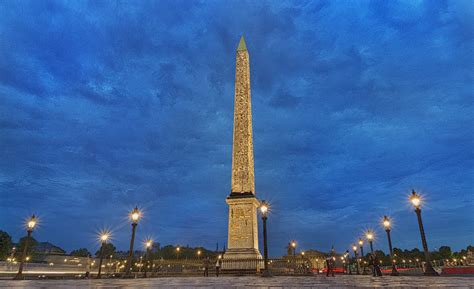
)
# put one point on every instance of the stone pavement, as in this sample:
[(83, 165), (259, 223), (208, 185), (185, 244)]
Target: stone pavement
[(279, 282)]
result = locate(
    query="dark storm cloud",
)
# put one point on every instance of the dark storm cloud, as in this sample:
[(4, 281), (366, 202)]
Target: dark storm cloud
[(105, 105)]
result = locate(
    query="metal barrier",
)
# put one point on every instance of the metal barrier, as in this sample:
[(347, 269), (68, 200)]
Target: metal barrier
[(278, 266)]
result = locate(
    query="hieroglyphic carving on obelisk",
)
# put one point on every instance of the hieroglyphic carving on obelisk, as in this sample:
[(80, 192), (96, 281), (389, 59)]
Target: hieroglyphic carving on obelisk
[(243, 179), (242, 241)]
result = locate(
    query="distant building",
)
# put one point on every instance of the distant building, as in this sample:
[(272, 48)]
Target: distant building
[(46, 248), (470, 257), (317, 258)]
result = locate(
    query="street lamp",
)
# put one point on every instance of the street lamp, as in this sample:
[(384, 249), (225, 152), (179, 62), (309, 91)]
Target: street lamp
[(104, 236), (30, 225), (293, 246), (415, 199), (361, 245), (199, 253), (148, 246), (134, 216), (354, 248), (370, 237), (387, 225), (264, 213), (345, 258), (178, 249)]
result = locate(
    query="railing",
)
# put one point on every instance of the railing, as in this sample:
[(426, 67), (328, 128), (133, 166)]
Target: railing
[(196, 267), (278, 266)]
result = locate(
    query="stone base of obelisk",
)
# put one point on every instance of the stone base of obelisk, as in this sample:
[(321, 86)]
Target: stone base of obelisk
[(242, 242)]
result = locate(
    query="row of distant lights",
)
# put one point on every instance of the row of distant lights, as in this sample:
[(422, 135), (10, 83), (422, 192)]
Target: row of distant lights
[(136, 215), (415, 199), (104, 236)]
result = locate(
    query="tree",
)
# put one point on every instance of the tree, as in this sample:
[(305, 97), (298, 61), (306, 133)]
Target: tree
[(82, 252), (5, 245), (445, 252), (398, 253), (109, 249)]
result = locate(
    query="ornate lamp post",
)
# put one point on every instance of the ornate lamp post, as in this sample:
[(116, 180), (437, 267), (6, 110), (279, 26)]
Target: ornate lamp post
[(415, 199), (30, 225), (148, 246), (135, 216), (354, 248), (370, 237), (361, 245), (387, 225), (103, 240), (264, 212)]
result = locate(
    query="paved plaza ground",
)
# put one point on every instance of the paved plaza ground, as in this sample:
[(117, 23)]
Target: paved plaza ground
[(253, 282)]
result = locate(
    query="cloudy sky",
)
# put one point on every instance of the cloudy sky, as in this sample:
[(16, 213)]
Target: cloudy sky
[(108, 105)]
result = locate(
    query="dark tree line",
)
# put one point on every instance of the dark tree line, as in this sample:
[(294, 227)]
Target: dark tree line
[(186, 252)]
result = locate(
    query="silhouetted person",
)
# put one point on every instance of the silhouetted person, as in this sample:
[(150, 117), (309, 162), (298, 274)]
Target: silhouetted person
[(330, 266), (374, 262), (207, 262), (377, 270)]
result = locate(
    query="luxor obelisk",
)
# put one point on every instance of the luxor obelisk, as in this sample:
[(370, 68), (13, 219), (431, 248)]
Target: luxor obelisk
[(242, 241)]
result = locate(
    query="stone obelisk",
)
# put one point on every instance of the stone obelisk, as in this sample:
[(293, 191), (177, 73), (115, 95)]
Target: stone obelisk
[(242, 239)]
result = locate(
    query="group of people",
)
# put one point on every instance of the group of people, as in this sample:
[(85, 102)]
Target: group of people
[(207, 264), (373, 262), (330, 265)]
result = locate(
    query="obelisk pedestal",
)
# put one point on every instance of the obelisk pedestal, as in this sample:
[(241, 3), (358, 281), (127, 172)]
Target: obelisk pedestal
[(242, 240)]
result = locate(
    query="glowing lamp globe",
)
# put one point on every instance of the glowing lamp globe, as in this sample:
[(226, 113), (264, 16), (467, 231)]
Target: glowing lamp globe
[(369, 235), (415, 200), (135, 215), (31, 224), (148, 243), (264, 208), (104, 237)]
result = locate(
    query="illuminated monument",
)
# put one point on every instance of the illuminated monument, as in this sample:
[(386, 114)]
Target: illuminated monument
[(242, 241)]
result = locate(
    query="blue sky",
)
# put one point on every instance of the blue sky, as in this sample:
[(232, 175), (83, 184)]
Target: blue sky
[(109, 104)]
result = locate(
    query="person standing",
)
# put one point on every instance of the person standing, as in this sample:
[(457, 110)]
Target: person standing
[(88, 267), (329, 265), (206, 267), (377, 271), (218, 265), (372, 263)]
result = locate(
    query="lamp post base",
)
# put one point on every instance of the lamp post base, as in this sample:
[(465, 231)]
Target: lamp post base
[(394, 272), (19, 276), (364, 270), (266, 273), (128, 276), (430, 271)]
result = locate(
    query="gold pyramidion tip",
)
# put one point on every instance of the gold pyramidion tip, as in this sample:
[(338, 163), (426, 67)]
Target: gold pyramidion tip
[(242, 46)]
